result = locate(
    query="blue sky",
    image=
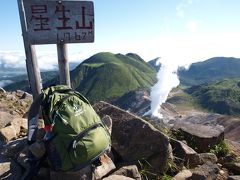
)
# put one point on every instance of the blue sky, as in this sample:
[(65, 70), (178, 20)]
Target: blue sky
[(181, 30)]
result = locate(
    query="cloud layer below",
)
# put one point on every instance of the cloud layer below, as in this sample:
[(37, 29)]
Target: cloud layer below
[(46, 60)]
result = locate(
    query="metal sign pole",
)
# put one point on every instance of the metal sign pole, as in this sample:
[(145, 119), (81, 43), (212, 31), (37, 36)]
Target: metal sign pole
[(64, 73), (31, 60)]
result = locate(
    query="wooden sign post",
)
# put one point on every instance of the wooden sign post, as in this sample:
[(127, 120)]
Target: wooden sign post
[(31, 59), (54, 22), (64, 74)]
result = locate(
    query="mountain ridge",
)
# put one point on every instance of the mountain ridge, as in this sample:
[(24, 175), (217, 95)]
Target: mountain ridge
[(107, 75), (212, 69)]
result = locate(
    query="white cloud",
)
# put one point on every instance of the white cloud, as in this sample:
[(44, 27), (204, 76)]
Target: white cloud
[(47, 60), (5, 82), (12, 59)]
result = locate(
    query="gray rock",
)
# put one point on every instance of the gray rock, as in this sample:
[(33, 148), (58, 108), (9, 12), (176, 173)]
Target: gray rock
[(138, 101), (106, 166), (227, 159), (26, 96), (233, 167), (201, 137), (8, 133), (117, 177), (11, 97), (208, 157), (20, 123), (223, 174), (135, 139), (12, 131), (5, 119), (183, 175), (205, 171), (128, 171), (185, 153)]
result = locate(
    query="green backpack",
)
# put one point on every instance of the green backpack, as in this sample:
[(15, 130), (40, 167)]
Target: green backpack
[(75, 135)]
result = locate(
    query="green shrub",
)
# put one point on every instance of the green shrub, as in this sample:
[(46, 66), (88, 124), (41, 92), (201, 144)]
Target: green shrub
[(166, 177), (220, 149), (145, 169)]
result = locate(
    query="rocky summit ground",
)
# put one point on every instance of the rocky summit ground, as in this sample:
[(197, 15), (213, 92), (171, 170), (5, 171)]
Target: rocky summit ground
[(193, 145)]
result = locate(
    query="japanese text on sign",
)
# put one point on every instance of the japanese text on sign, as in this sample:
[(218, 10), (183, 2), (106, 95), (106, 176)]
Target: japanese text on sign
[(51, 22)]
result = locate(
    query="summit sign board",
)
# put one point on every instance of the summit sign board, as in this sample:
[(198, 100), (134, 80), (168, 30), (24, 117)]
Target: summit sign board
[(55, 22)]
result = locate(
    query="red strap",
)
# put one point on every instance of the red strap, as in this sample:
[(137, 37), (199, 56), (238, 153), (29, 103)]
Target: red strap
[(48, 128)]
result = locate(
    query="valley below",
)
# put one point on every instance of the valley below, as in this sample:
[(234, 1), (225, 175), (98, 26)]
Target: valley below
[(182, 112)]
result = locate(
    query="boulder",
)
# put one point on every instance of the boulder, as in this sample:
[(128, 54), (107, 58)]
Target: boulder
[(223, 174), (227, 159), (8, 133), (20, 124), (106, 166), (201, 137), (234, 146), (11, 97), (5, 119), (233, 167), (208, 157), (26, 96), (135, 139), (184, 153), (128, 171), (183, 175), (205, 171)]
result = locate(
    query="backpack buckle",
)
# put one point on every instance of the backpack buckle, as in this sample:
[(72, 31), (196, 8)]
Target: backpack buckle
[(74, 145)]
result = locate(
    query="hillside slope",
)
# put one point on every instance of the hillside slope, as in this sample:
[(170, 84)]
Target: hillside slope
[(210, 70), (20, 82), (221, 96), (107, 75)]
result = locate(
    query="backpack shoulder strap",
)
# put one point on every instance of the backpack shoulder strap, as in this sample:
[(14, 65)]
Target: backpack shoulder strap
[(33, 116)]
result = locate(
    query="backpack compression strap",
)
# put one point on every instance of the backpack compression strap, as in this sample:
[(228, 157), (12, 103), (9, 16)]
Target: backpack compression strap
[(33, 116)]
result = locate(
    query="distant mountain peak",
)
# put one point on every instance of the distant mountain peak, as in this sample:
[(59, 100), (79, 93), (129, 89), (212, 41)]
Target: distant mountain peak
[(106, 75), (212, 69)]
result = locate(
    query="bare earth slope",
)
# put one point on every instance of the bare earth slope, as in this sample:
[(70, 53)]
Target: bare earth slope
[(182, 111)]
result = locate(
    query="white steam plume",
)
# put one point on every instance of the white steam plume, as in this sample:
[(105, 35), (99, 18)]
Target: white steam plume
[(167, 79)]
